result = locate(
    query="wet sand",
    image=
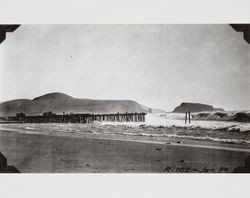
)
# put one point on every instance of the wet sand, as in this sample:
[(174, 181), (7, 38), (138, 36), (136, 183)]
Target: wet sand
[(36, 153)]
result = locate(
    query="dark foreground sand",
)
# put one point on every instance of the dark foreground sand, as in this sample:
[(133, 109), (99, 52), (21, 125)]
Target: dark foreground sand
[(34, 153)]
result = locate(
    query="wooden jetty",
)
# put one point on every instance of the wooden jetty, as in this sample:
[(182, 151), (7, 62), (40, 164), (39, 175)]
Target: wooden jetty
[(50, 117)]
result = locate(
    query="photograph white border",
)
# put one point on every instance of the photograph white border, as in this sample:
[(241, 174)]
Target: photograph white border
[(124, 12)]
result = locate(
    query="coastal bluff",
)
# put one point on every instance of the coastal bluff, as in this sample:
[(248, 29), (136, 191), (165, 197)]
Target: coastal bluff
[(195, 107)]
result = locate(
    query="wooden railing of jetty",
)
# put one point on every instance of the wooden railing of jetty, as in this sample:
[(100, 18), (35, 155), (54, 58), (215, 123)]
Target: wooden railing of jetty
[(50, 117)]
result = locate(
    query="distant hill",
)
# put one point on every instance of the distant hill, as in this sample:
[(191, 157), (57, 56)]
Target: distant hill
[(195, 107), (60, 102)]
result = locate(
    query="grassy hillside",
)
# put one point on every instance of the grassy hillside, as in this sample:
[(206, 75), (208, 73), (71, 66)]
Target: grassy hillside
[(59, 103)]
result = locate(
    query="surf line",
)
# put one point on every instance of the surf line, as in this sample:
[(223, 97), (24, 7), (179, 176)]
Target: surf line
[(129, 140)]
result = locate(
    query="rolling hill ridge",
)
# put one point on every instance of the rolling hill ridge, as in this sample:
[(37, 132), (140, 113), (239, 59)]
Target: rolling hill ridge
[(60, 102)]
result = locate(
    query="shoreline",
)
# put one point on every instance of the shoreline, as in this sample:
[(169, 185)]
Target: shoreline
[(142, 139), (129, 155), (185, 140)]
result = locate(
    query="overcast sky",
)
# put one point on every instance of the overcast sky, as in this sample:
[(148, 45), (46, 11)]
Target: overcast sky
[(157, 65)]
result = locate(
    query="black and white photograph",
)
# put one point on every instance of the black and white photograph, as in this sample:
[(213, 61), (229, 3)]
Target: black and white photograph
[(125, 98)]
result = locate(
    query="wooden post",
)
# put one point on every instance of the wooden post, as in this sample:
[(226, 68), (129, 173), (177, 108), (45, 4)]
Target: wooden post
[(189, 117), (186, 118)]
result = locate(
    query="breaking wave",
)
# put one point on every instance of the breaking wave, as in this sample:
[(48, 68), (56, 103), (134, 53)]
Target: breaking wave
[(241, 116), (159, 126)]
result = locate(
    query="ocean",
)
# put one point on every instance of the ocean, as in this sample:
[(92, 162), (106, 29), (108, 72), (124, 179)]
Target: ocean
[(158, 126)]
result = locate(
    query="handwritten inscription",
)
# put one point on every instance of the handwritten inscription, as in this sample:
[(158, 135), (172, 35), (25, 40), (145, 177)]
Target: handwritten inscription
[(170, 169)]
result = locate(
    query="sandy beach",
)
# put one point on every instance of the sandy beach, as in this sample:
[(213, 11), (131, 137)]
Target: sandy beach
[(37, 153)]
